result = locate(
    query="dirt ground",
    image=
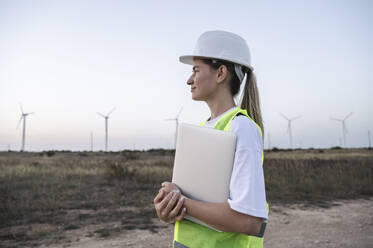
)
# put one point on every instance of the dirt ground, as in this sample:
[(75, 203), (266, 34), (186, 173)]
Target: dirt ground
[(345, 224)]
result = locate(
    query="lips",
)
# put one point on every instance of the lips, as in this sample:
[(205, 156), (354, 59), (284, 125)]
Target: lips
[(192, 89)]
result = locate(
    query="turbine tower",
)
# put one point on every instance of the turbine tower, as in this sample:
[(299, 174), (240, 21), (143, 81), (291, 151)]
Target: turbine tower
[(23, 116), (289, 128), (106, 117), (344, 128), (91, 141), (176, 119)]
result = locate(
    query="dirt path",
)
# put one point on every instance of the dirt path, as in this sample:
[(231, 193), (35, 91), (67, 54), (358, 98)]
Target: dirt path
[(346, 224), (350, 224)]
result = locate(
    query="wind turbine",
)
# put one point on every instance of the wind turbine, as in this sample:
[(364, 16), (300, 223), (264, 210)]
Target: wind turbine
[(176, 119), (344, 129), (106, 117), (289, 128), (23, 116)]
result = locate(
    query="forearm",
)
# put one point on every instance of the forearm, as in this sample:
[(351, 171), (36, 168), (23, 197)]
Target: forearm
[(222, 217)]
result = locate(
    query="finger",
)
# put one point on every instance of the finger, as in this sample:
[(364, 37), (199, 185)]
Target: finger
[(177, 208), (171, 203), (165, 191), (165, 201), (164, 184), (181, 215), (159, 197)]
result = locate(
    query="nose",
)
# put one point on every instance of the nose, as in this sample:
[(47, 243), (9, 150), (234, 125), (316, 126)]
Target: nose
[(190, 81)]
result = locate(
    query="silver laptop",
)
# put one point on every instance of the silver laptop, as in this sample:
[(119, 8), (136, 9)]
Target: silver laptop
[(203, 163)]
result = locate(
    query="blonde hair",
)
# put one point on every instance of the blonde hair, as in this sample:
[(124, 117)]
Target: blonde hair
[(250, 100)]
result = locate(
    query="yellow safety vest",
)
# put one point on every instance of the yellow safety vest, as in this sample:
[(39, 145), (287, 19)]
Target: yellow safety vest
[(188, 234)]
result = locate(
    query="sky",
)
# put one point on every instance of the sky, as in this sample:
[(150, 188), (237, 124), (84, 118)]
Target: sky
[(67, 60)]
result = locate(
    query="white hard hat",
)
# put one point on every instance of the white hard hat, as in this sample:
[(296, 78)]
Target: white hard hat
[(220, 45)]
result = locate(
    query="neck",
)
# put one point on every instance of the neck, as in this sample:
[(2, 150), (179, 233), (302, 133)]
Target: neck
[(220, 104)]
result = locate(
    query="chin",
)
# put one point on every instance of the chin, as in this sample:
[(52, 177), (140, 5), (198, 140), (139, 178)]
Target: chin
[(196, 98)]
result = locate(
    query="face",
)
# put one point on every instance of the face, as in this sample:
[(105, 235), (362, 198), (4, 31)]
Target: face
[(202, 81)]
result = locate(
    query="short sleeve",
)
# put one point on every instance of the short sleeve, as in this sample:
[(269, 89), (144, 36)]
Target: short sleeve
[(247, 188)]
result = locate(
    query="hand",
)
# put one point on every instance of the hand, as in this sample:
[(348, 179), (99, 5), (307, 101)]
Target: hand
[(169, 206), (169, 187)]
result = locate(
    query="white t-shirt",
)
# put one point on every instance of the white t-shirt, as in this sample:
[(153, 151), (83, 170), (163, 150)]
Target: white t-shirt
[(247, 189)]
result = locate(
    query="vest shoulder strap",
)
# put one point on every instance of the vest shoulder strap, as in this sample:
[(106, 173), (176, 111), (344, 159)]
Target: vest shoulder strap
[(224, 122)]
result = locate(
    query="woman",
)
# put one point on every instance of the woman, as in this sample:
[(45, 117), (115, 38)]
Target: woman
[(221, 60)]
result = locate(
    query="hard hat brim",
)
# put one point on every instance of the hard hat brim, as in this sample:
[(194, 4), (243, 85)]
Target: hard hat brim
[(188, 59)]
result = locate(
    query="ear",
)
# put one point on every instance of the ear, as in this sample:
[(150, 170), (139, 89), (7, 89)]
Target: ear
[(221, 74)]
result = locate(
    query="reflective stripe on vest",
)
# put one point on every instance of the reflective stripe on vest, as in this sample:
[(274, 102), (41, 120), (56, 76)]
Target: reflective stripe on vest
[(188, 234)]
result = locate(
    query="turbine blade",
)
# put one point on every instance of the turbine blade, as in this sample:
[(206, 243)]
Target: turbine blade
[(348, 115), (334, 119), (111, 111), (177, 116), (344, 127), (20, 106), (19, 122), (101, 114), (284, 116), (299, 116)]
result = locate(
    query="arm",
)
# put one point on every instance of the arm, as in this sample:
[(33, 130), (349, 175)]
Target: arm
[(222, 217), (219, 215)]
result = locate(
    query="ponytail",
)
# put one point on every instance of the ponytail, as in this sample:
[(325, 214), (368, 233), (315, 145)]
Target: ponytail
[(250, 100)]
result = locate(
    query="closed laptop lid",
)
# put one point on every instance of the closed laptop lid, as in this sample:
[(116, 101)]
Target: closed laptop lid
[(203, 163)]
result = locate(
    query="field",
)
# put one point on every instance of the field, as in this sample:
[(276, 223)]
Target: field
[(51, 199)]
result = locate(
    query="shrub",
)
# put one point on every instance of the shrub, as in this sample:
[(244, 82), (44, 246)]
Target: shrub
[(336, 148), (119, 170), (130, 155), (50, 153)]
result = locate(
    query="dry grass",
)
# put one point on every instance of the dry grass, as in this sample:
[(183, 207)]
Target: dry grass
[(71, 190), (43, 195), (317, 176)]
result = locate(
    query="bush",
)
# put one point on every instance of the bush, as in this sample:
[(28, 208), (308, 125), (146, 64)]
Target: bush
[(50, 153), (275, 149), (336, 148), (130, 155), (119, 170)]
